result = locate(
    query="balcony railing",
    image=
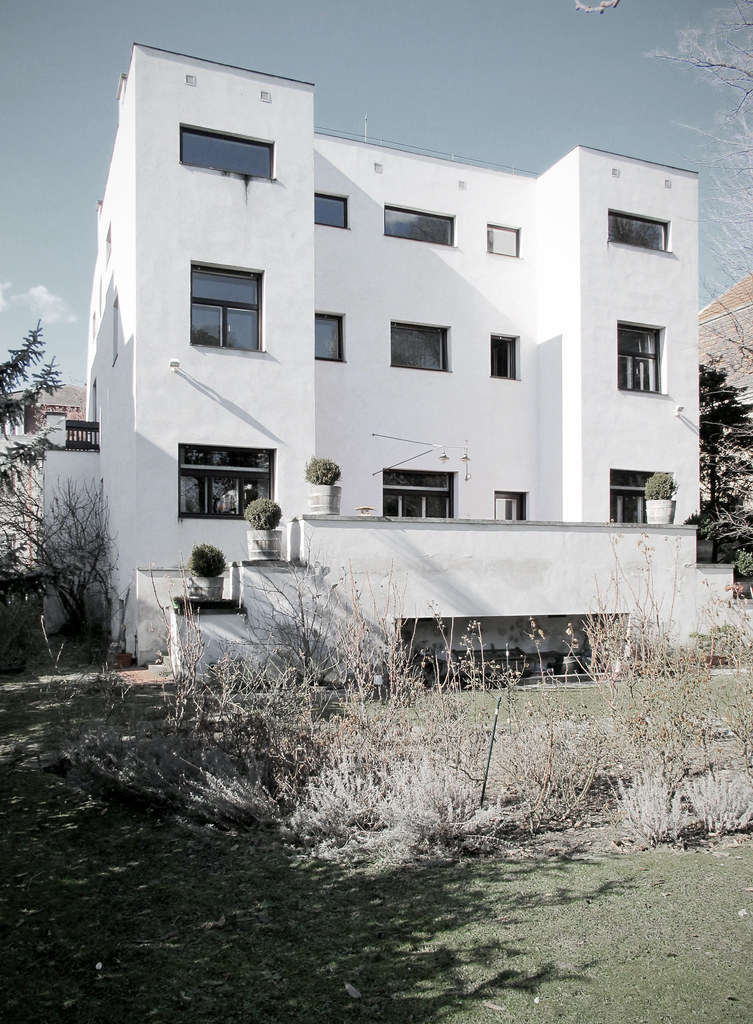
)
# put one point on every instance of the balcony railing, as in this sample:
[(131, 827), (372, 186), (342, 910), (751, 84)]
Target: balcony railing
[(81, 436)]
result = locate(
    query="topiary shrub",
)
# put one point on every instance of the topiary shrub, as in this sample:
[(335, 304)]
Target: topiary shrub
[(660, 487), (322, 472), (206, 560), (263, 514)]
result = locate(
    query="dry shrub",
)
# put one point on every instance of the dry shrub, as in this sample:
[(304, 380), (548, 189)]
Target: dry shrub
[(651, 809), (723, 803), (549, 760)]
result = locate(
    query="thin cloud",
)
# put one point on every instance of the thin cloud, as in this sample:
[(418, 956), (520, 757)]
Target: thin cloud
[(45, 305), (4, 286)]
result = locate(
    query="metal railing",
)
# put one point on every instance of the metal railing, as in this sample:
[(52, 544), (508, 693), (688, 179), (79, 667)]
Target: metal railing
[(81, 436)]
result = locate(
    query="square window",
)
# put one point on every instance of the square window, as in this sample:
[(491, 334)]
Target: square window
[(226, 153), (509, 505), (421, 227), (416, 495), (626, 497), (503, 353), (216, 481), (328, 336), (225, 309), (502, 241), (419, 347), (637, 358), (330, 210), (638, 231)]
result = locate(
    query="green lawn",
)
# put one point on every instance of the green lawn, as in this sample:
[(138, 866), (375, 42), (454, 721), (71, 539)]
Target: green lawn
[(110, 914)]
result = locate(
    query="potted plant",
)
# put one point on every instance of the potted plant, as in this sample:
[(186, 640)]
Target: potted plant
[(324, 495), (207, 566), (264, 539), (659, 492)]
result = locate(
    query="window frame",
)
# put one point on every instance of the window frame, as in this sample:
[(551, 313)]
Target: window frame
[(630, 370), (519, 497), (621, 490), (634, 219), (441, 334), (421, 490), (253, 145), (343, 200), (337, 319), (491, 228), (431, 217), (227, 305), (497, 341), (209, 472)]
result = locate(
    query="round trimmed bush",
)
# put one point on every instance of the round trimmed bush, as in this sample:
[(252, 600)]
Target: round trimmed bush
[(660, 487), (206, 560), (322, 472), (263, 514)]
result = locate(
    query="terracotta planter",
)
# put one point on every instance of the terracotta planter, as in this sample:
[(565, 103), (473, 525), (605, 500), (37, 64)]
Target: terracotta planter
[(660, 513), (264, 545), (325, 500)]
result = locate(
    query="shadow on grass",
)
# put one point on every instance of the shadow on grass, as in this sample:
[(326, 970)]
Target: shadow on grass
[(112, 916)]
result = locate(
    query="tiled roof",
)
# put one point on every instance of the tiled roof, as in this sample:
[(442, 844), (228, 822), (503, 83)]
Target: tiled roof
[(725, 334)]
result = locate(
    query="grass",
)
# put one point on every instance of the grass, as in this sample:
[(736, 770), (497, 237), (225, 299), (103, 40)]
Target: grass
[(110, 914)]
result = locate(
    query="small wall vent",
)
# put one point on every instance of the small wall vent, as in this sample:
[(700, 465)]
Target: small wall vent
[(265, 97), (378, 168), (190, 79), (615, 172), (461, 186), (668, 183)]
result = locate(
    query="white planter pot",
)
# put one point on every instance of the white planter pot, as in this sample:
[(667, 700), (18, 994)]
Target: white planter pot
[(660, 513), (325, 500), (264, 545), (209, 587)]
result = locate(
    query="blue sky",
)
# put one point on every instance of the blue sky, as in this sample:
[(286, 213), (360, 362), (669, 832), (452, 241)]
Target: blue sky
[(514, 82)]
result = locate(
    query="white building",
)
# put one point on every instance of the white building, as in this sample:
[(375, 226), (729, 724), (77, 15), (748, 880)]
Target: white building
[(497, 361)]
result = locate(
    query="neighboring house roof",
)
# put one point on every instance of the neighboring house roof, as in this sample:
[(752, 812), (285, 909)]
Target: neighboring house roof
[(69, 399), (725, 333)]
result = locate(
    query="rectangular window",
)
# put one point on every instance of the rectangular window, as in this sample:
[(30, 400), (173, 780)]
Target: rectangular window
[(330, 210), (218, 481), (225, 308), (637, 358), (639, 231), (503, 357), (509, 505), (416, 495), (422, 227), (502, 241), (226, 153), (328, 336), (419, 347), (626, 500)]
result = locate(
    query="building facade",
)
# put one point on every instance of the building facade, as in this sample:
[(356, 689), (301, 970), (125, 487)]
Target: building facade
[(481, 350)]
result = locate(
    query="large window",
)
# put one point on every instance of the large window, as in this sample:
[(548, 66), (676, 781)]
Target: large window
[(422, 227), (416, 495), (637, 358), (502, 241), (218, 481), (503, 352), (509, 505), (639, 231), (419, 347), (328, 336), (225, 308), (226, 153), (330, 210), (626, 500)]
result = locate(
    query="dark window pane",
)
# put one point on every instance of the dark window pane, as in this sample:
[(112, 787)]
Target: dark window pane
[(328, 337), (242, 329), (391, 505), (503, 357), (222, 152), (436, 507), (331, 210), (648, 234), (224, 495), (206, 325), (418, 347), (413, 506), (232, 288), (422, 227), (192, 494), (637, 358)]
